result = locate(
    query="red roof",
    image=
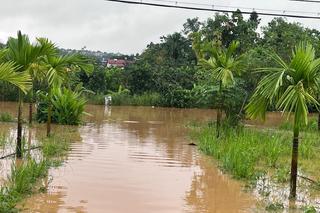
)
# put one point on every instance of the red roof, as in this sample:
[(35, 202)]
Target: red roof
[(116, 61)]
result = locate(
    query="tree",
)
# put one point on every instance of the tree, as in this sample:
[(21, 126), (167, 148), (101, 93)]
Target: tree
[(281, 36), (24, 55), (191, 26), (227, 28), (222, 63), (290, 87), (57, 70)]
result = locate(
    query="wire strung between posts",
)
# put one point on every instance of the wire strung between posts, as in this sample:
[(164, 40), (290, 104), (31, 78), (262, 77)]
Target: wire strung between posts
[(284, 14), (307, 1), (236, 7)]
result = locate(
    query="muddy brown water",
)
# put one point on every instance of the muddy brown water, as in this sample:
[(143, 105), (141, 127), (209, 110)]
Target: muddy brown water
[(137, 159)]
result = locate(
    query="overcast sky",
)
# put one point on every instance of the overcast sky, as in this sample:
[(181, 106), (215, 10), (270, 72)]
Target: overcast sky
[(114, 27)]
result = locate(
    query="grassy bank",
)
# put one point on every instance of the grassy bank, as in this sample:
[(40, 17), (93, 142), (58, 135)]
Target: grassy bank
[(25, 175), (253, 155)]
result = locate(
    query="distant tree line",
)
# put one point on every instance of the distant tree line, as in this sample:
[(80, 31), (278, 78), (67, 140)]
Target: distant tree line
[(170, 68)]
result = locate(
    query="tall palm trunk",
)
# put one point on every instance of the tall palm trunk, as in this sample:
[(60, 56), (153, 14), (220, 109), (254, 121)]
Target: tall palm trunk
[(19, 129), (219, 112), (49, 113), (30, 106), (319, 121), (30, 113), (218, 122), (294, 163)]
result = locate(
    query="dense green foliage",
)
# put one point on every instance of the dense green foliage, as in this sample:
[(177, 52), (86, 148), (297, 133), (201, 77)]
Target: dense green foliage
[(170, 68), (6, 117), (68, 106)]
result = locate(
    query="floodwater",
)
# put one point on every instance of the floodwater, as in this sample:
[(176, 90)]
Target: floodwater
[(137, 160)]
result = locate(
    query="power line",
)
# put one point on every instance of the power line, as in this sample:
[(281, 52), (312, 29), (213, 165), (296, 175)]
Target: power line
[(307, 1), (213, 9), (236, 7)]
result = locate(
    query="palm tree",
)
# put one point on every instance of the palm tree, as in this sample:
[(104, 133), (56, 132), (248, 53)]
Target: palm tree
[(21, 80), (25, 55), (58, 68), (290, 87), (8, 74), (223, 64)]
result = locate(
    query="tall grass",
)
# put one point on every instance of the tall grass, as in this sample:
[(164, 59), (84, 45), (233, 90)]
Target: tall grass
[(55, 147), (21, 183), (312, 126), (146, 99), (97, 99), (250, 153), (24, 177), (6, 117)]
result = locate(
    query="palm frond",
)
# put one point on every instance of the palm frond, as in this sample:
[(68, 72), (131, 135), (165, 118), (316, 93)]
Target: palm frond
[(20, 79)]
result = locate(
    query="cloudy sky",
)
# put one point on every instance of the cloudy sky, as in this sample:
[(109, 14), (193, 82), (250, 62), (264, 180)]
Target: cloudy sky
[(114, 27)]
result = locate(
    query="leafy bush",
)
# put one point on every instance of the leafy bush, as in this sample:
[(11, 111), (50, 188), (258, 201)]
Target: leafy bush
[(146, 99), (6, 117), (177, 97), (97, 99), (68, 107)]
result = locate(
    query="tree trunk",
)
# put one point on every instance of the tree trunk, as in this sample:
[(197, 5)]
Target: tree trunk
[(30, 112), (219, 112), (49, 113), (319, 121), (294, 164), (218, 122), (19, 129), (30, 106)]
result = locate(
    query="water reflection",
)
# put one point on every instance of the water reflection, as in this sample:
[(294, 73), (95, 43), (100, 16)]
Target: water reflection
[(209, 190), (136, 159)]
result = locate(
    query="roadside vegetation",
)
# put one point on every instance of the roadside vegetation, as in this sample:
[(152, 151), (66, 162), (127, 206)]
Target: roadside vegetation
[(221, 63), (255, 155), (25, 176)]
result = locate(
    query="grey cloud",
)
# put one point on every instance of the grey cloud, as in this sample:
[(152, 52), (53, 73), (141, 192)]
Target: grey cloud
[(111, 27)]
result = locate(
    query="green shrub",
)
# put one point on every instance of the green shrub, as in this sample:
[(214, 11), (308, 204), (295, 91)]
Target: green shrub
[(68, 107), (24, 177), (177, 97), (97, 99), (146, 99), (54, 147), (6, 117), (21, 183)]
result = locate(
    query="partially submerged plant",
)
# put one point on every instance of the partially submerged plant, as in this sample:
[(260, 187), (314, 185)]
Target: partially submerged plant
[(290, 87)]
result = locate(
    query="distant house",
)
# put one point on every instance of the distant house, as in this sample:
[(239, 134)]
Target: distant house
[(120, 63)]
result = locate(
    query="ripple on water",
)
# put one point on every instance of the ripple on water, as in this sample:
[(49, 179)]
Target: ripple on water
[(135, 159)]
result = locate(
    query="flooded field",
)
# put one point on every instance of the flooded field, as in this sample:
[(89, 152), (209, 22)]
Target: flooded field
[(136, 159)]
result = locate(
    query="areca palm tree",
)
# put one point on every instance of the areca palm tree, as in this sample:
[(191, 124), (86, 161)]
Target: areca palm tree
[(58, 68), (290, 87), (24, 55), (8, 74), (223, 64)]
